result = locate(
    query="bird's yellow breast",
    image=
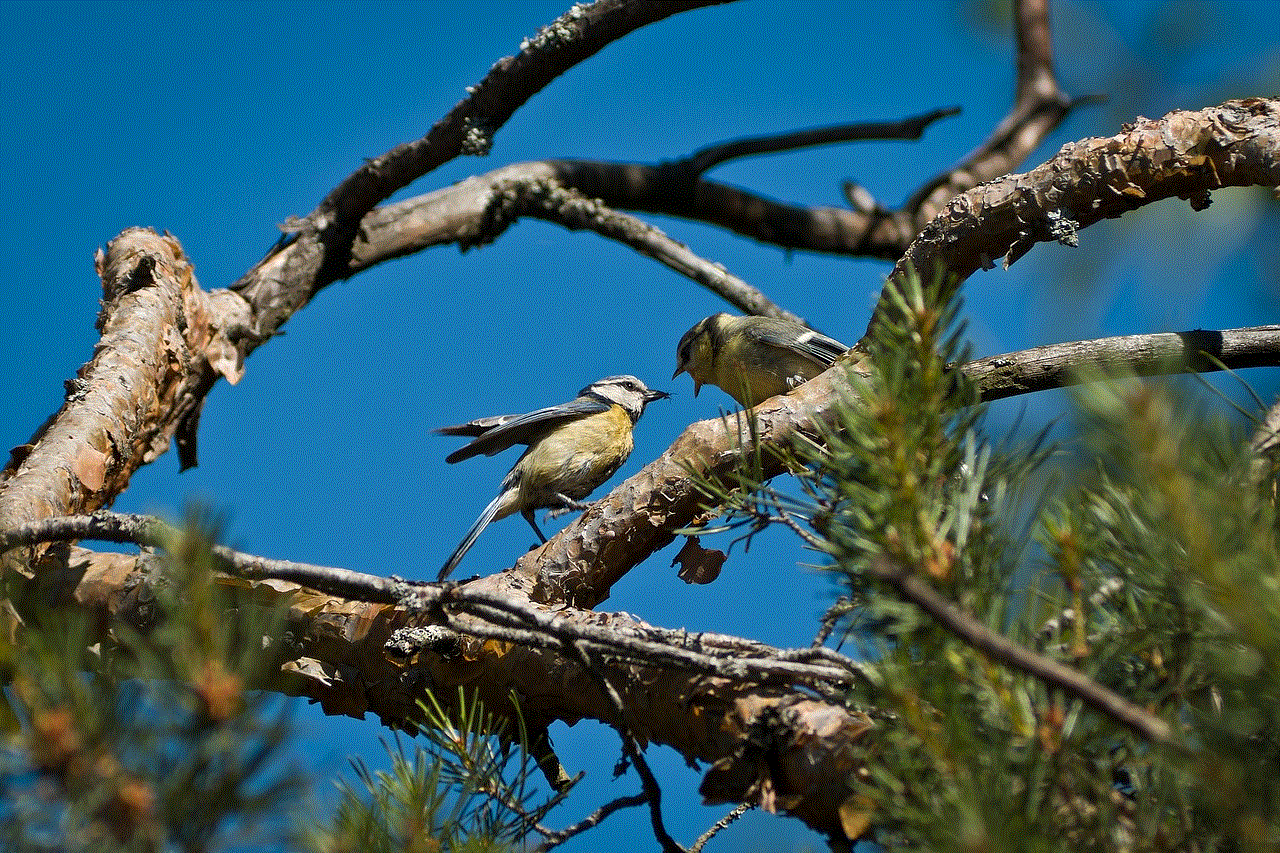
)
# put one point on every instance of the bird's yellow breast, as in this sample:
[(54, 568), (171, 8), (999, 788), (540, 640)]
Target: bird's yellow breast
[(575, 458)]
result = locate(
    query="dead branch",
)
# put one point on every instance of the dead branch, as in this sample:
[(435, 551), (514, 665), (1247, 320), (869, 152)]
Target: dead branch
[(462, 214), (1186, 154), (159, 333), (1039, 106)]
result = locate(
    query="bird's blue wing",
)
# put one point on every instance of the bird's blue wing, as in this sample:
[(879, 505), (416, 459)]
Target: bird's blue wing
[(509, 430)]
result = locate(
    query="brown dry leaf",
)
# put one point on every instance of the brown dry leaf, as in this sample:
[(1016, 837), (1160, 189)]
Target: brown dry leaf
[(697, 564)]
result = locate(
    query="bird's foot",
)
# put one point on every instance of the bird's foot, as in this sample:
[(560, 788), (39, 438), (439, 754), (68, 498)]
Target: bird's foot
[(568, 505)]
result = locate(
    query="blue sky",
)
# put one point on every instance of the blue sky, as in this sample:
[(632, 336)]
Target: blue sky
[(217, 121)]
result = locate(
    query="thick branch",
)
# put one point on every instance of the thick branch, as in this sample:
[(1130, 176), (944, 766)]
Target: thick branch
[(159, 333), (338, 654), (621, 530), (505, 618), (1185, 154)]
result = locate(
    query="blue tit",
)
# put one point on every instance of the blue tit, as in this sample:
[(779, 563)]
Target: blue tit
[(573, 448), (753, 358)]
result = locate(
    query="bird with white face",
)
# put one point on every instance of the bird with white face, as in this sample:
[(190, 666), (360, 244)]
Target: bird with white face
[(573, 448)]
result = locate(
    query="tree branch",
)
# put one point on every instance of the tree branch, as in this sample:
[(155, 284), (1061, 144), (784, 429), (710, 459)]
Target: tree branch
[(336, 651), (1185, 154), (473, 212), (723, 823), (500, 617), (574, 211), (463, 214), (159, 331), (1039, 106), (556, 838), (1061, 365), (710, 157), (291, 275), (676, 188)]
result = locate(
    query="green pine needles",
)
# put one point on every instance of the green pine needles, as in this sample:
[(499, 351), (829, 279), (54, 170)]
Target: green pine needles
[(1061, 656)]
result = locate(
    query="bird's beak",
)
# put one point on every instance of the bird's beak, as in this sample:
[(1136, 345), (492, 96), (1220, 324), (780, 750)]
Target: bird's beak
[(697, 386), (679, 370), (652, 395)]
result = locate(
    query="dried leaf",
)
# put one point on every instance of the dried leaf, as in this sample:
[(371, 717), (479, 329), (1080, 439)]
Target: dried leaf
[(697, 564)]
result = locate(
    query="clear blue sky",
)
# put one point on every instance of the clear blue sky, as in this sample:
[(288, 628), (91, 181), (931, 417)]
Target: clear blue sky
[(217, 121)]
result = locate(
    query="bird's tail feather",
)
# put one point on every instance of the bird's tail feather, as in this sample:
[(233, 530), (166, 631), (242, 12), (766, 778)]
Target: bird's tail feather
[(473, 534)]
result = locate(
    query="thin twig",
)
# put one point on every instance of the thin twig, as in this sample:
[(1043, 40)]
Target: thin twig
[(152, 532), (504, 618), (558, 837), (530, 819), (475, 211), (573, 210), (1039, 105), (738, 811), (713, 155), (829, 621), (660, 647)]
